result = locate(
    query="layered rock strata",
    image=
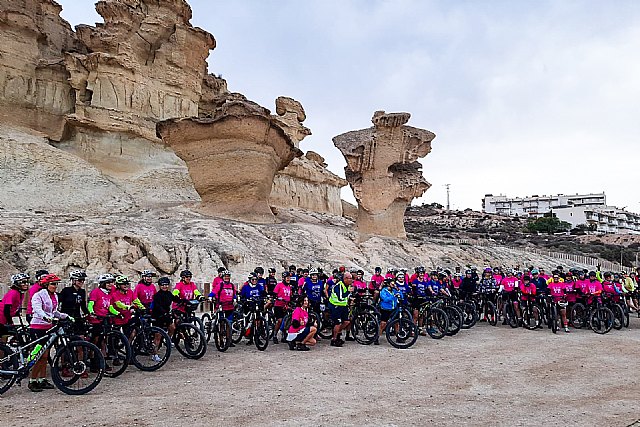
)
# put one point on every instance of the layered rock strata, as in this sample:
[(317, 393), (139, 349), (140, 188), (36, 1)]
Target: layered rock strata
[(383, 172), (232, 156)]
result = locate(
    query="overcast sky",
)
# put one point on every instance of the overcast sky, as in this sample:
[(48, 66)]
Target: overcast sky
[(525, 97)]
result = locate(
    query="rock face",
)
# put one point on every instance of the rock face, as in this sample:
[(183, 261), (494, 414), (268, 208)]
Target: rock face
[(34, 91), (383, 172), (307, 184), (232, 156)]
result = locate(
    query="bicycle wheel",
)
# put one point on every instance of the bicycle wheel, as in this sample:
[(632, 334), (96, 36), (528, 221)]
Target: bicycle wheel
[(455, 320), (261, 333), (405, 333), (365, 328), (325, 325), (151, 349), (8, 362), (190, 341), (601, 320), (531, 317), (578, 316), (237, 327), (510, 314), (618, 316), (553, 319), (77, 368), (469, 314), (118, 352), (491, 313), (436, 322), (207, 325), (222, 334), (269, 319)]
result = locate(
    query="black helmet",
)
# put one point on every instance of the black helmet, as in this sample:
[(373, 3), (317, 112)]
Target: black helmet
[(77, 275), (285, 274), (164, 281), (40, 274), (259, 270), (272, 270), (253, 276), (186, 273), (292, 267), (378, 269), (221, 269), (420, 270)]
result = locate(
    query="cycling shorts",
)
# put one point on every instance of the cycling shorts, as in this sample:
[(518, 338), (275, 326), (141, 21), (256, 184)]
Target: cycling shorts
[(279, 312), (302, 334), (385, 315), (339, 314), (417, 302)]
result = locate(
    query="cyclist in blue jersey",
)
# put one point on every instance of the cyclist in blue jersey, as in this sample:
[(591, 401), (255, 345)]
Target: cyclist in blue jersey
[(419, 292)]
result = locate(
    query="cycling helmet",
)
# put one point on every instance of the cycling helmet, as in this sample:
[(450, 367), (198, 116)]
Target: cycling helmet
[(122, 280), (285, 274), (526, 278), (592, 274), (147, 273), (272, 270), (186, 273), (40, 274), (313, 271), (221, 269), (225, 273), (253, 276), (77, 275), (535, 271), (49, 279), (105, 278), (390, 270), (292, 267), (259, 270), (420, 270), (488, 270), (607, 274), (164, 281), (378, 270), (468, 272), (17, 279), (447, 271), (360, 272)]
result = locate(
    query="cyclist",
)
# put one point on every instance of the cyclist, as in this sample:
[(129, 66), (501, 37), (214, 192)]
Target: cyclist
[(100, 305), (358, 281), (629, 286), (255, 292), (391, 273), (528, 290), (376, 279), (259, 271), (593, 287), (540, 282), (301, 332), (294, 278), (282, 293), (123, 299), (271, 282), (12, 300), (145, 289), (73, 300), (468, 286), (389, 298), (32, 290), (216, 280), (338, 304), (558, 292), (185, 289), (302, 277), (161, 306), (314, 289), (419, 292), (610, 287), (225, 295), (403, 287), (508, 287), (488, 288), (45, 309)]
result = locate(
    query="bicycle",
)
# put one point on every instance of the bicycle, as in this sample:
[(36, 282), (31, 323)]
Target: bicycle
[(365, 319), (217, 325), (253, 324), (113, 343), (188, 338), (453, 312), (401, 331), (150, 345), (530, 313), (433, 319), (82, 361)]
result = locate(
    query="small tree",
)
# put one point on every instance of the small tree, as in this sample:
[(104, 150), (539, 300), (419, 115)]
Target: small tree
[(548, 225)]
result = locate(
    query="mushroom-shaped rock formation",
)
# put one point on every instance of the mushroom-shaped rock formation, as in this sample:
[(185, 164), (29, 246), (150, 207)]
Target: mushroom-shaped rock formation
[(383, 172), (232, 156)]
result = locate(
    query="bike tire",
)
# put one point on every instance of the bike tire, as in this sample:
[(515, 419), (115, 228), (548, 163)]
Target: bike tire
[(491, 313), (365, 328), (119, 349), (190, 341), (618, 316), (238, 329), (510, 314), (407, 333), (554, 319), (261, 333), (469, 313), (222, 334), (436, 322), (143, 347), (79, 357), (455, 320), (8, 362), (325, 325), (530, 320), (578, 316), (601, 320), (208, 326)]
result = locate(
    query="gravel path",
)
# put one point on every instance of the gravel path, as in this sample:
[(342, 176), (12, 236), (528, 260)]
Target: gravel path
[(483, 376)]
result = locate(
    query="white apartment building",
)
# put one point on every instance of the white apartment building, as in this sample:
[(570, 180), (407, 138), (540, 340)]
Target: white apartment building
[(589, 209), (536, 206)]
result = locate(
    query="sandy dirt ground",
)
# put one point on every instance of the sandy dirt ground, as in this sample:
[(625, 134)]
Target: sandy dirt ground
[(483, 376)]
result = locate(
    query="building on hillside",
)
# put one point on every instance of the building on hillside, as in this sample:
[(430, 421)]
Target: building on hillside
[(536, 206), (588, 209)]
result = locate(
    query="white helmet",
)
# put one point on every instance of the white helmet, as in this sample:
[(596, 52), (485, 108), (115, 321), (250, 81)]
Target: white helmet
[(107, 277)]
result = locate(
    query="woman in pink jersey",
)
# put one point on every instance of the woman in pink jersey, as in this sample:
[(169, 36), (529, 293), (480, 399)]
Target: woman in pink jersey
[(185, 289), (123, 300), (557, 290), (145, 289), (301, 332), (12, 300), (45, 309), (283, 298)]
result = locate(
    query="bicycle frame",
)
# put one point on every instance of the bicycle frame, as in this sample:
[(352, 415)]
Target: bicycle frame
[(24, 364)]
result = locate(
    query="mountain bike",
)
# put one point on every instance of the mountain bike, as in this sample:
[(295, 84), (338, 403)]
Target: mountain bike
[(77, 367), (217, 325), (401, 331), (150, 345), (365, 319), (188, 338), (433, 319), (453, 312), (114, 344), (252, 323)]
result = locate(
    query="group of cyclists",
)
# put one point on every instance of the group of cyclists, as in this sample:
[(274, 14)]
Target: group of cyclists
[(300, 307)]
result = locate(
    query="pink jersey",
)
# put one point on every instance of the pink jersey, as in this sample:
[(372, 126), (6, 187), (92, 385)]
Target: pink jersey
[(301, 281), (456, 281), (609, 288), (32, 291), (216, 282), (14, 299), (509, 284), (582, 286), (225, 293), (101, 302), (283, 293), (185, 291), (569, 290), (144, 293), (594, 288), (359, 284), (557, 291), (299, 314), (126, 298), (498, 277), (527, 290)]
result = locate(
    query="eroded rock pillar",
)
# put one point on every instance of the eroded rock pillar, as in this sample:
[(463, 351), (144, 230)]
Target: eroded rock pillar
[(232, 157), (383, 171)]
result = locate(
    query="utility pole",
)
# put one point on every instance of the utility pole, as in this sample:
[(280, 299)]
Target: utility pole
[(448, 186)]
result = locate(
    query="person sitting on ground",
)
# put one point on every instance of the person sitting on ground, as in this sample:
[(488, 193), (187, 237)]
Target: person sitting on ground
[(301, 332)]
